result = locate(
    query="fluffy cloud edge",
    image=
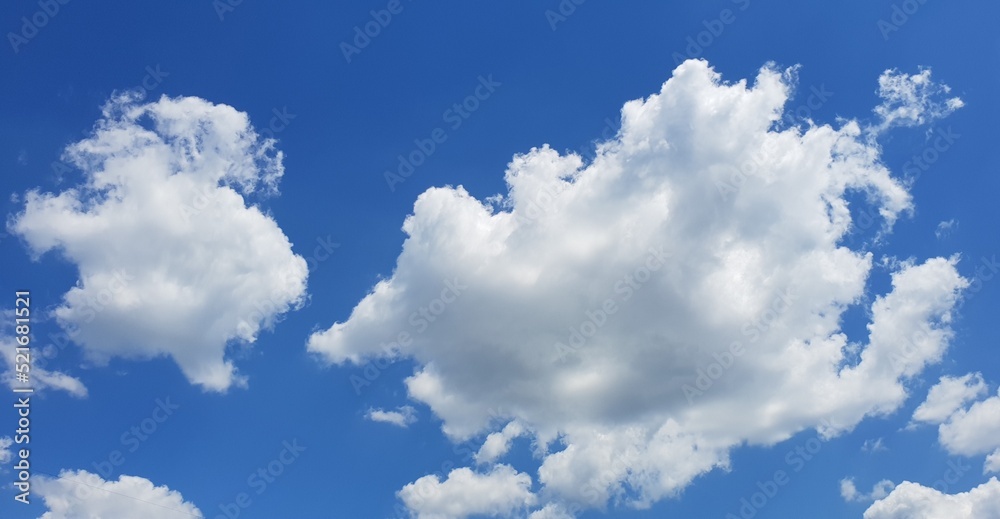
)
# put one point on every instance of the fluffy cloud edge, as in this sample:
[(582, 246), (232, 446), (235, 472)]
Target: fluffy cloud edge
[(78, 493), (947, 396), (914, 501), (42, 379), (500, 492)]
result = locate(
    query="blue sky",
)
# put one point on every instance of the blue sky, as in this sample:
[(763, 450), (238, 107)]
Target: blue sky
[(528, 76)]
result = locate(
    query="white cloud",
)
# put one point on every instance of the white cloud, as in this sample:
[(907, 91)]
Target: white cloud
[(973, 431), (76, 494), (850, 492), (497, 444), (876, 445), (847, 489), (914, 501), (912, 99), (501, 492), (945, 228), (6, 454), (992, 462), (551, 511), (172, 261), (964, 431), (625, 311), (40, 378), (401, 417), (947, 396)]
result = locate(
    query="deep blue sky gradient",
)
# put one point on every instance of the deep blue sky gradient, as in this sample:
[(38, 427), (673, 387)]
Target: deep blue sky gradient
[(351, 120)]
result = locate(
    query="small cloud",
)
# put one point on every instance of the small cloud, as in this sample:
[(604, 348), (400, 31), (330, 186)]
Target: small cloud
[(41, 378), (875, 445), (912, 100), (5, 453), (497, 444), (22, 157), (502, 492), (945, 228), (850, 492), (401, 417)]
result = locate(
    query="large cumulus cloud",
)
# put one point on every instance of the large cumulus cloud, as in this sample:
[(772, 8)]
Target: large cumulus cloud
[(642, 314)]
